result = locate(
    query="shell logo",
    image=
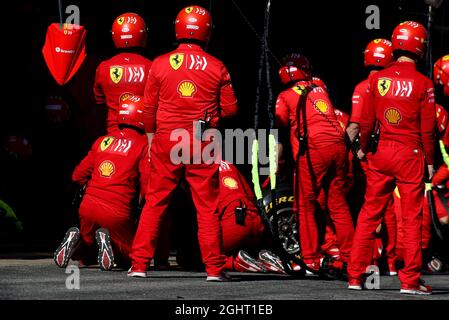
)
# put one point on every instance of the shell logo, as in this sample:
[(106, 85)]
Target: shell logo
[(230, 183), (393, 116), (106, 168), (321, 106), (187, 89)]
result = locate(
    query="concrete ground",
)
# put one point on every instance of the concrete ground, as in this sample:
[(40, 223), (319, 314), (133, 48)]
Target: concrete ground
[(36, 277)]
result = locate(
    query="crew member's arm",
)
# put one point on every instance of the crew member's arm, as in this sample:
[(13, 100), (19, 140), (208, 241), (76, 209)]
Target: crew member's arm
[(428, 124), (228, 101), (151, 101), (100, 97), (83, 171), (368, 122), (353, 128), (281, 121), (144, 172), (441, 176)]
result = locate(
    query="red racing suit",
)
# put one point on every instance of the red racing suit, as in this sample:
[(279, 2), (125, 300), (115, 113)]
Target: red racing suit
[(235, 192), (112, 170), (401, 100), (182, 86), (387, 238), (323, 164), (125, 73)]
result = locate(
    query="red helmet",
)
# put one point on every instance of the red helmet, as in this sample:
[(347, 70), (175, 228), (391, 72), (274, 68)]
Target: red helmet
[(442, 117), (318, 82), (296, 67), (378, 53), (193, 22), (410, 36), (441, 73), (129, 30), (131, 110)]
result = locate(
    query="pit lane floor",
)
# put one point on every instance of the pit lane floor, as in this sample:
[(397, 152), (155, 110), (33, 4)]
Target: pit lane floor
[(36, 277)]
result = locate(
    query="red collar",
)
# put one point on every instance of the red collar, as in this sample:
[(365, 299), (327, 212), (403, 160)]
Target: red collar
[(190, 47)]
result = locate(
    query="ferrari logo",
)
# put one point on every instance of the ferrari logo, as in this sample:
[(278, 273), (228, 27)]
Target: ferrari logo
[(116, 74), (176, 60), (189, 9), (299, 89), (106, 143), (383, 85), (120, 21)]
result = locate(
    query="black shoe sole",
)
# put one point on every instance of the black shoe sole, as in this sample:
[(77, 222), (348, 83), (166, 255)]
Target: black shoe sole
[(107, 248), (68, 247)]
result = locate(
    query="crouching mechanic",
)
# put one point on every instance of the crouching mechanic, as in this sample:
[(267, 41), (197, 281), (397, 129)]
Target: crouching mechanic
[(187, 90), (112, 171), (242, 226), (321, 162)]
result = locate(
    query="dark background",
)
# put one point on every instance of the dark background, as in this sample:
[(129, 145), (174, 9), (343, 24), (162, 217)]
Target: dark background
[(37, 184)]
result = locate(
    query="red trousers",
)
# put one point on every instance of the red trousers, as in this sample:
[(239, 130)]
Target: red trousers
[(237, 237), (95, 213), (388, 233), (329, 244), (327, 168), (393, 164), (204, 186)]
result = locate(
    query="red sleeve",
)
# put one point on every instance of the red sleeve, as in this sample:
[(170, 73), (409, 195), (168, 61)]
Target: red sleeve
[(151, 99), (358, 98), (281, 112), (441, 176), (428, 122), (83, 171), (144, 170), (100, 98), (228, 101), (368, 122)]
